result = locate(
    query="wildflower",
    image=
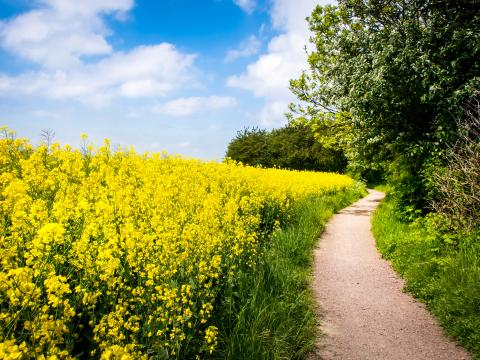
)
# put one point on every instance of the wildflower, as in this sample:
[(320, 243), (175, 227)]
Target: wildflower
[(139, 247)]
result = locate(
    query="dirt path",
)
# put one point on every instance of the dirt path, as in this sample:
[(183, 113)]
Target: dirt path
[(365, 314)]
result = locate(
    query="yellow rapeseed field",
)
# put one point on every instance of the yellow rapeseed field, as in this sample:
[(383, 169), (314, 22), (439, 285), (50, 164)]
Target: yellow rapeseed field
[(124, 255)]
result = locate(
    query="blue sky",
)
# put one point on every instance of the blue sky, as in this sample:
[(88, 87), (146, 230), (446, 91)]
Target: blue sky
[(175, 75)]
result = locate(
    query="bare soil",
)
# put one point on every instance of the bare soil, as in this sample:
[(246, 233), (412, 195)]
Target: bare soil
[(364, 313)]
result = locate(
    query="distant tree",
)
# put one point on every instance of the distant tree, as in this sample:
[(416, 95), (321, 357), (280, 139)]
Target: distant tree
[(250, 147), (290, 147), (295, 147)]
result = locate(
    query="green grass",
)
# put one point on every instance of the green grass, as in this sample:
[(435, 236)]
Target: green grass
[(441, 268), (271, 314)]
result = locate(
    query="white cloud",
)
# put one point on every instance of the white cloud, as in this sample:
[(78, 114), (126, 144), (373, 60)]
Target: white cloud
[(60, 32), (147, 71), (248, 47), (144, 88), (62, 36), (273, 113), (187, 106), (86, 7), (246, 5), (269, 75)]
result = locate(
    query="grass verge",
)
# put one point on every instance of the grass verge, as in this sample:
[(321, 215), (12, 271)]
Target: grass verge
[(440, 268), (271, 314)]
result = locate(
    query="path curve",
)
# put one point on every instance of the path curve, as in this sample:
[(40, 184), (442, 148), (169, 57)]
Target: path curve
[(365, 314)]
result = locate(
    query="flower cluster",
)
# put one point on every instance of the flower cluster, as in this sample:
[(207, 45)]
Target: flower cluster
[(119, 255)]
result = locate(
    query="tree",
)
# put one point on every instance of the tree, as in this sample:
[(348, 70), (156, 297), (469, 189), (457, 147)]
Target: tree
[(250, 147), (290, 147), (295, 147), (391, 76)]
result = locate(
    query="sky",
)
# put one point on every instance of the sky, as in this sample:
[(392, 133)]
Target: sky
[(176, 75)]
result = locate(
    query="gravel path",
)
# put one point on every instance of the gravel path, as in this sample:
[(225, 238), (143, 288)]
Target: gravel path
[(365, 314)]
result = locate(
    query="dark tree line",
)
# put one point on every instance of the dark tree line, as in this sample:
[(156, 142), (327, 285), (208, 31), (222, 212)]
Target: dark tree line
[(290, 147)]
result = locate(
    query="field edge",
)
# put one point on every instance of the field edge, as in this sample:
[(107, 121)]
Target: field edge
[(273, 313)]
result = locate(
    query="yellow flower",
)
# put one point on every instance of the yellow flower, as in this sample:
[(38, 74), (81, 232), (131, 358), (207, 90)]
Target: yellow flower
[(139, 247)]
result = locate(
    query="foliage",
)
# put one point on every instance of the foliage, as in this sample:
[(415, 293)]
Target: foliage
[(396, 73), (118, 255), (291, 147), (250, 147), (441, 267), (458, 183)]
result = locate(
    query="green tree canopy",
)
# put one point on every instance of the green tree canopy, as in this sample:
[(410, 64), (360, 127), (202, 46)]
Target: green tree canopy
[(291, 147), (389, 78), (249, 146)]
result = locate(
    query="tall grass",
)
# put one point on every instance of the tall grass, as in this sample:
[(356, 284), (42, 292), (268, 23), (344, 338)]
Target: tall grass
[(440, 269), (271, 315)]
